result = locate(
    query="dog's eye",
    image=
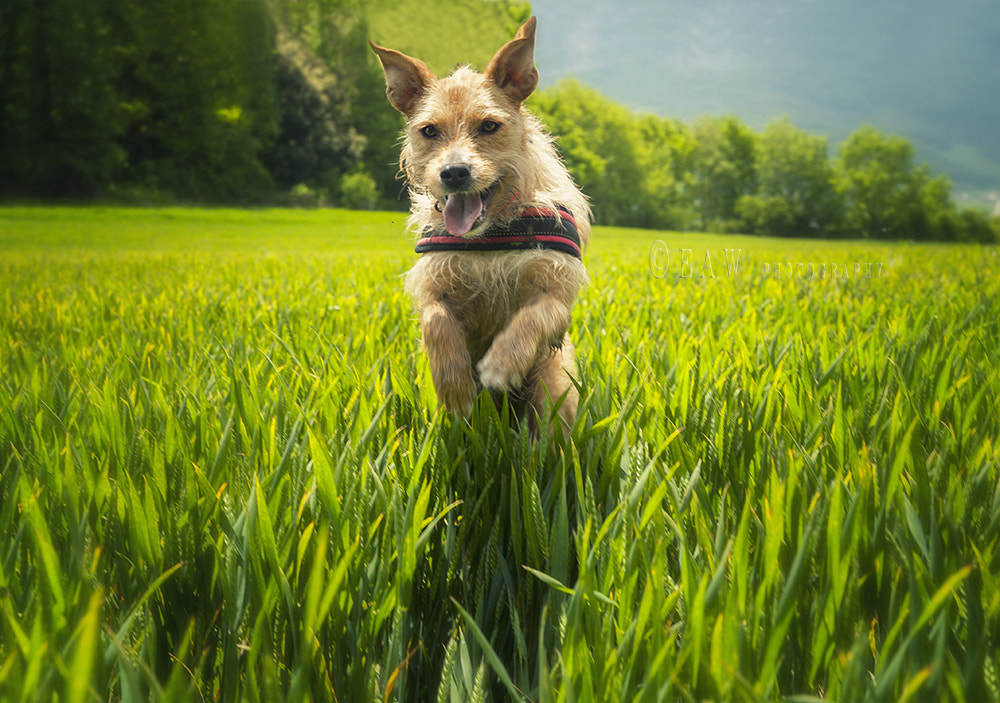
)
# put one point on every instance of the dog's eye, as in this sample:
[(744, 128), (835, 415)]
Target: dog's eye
[(489, 126), (430, 131)]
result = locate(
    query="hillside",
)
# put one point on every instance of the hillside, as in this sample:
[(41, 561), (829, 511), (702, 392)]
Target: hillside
[(473, 29)]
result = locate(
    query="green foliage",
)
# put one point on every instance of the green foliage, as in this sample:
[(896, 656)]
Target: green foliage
[(723, 167), (358, 191), (314, 137), (795, 194), (634, 167), (334, 119), (223, 475), (718, 175), (882, 188), (57, 106), (596, 140), (170, 96)]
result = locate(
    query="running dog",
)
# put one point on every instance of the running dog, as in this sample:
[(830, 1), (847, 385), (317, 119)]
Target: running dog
[(500, 225)]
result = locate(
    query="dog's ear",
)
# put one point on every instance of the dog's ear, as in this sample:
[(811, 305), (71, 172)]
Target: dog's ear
[(512, 68), (406, 78)]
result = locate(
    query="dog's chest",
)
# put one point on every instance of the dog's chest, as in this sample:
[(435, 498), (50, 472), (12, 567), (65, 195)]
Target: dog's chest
[(485, 290), (485, 285)]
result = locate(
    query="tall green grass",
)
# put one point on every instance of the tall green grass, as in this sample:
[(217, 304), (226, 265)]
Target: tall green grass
[(223, 475)]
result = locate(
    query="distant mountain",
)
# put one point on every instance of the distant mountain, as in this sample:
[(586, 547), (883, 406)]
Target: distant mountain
[(923, 69)]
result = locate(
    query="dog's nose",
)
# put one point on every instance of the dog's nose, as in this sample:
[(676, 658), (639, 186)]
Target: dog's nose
[(456, 177)]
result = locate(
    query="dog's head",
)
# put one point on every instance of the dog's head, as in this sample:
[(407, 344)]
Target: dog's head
[(465, 133)]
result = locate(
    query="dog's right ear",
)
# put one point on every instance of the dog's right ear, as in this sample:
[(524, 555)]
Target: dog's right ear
[(406, 78)]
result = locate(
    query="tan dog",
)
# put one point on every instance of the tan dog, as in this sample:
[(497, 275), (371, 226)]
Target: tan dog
[(501, 225)]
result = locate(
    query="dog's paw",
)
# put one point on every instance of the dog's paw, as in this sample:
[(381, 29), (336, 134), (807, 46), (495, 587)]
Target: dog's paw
[(499, 374), (460, 405), (457, 393)]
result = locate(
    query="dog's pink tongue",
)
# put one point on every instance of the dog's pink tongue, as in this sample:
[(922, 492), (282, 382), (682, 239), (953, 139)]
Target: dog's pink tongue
[(461, 212)]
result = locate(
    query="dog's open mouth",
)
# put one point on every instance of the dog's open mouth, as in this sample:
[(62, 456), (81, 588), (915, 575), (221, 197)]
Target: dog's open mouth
[(463, 211)]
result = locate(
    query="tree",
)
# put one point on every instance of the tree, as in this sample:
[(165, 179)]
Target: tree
[(380, 123), (795, 194), (664, 148), (876, 178), (197, 100), (633, 167), (174, 96), (57, 104), (314, 141), (593, 138), (723, 169)]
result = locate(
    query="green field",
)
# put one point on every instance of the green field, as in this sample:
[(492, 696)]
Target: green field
[(223, 475)]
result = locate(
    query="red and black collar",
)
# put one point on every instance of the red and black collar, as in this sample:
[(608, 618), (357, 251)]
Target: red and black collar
[(534, 228)]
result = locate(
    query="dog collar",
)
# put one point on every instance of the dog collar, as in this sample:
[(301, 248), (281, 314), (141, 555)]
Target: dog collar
[(534, 228)]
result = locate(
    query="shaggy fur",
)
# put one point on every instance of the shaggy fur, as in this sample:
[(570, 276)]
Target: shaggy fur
[(474, 157)]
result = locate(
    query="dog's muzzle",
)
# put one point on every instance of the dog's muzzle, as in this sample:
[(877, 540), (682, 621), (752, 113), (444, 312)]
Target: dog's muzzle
[(463, 209)]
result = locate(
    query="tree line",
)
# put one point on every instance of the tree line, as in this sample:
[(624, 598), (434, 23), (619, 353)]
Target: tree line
[(216, 101), (717, 174), (271, 101)]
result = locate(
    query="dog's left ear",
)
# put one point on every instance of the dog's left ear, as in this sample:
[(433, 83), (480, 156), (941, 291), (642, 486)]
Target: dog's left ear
[(512, 68)]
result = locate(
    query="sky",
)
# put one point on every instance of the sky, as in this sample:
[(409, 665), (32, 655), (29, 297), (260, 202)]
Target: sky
[(926, 69)]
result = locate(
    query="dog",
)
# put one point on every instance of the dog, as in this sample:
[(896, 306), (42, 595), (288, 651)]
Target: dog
[(501, 227)]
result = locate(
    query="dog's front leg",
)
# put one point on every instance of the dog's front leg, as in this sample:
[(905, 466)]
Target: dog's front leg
[(534, 328), (451, 367)]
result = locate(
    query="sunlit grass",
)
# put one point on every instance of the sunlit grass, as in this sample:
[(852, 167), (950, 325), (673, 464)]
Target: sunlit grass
[(223, 474)]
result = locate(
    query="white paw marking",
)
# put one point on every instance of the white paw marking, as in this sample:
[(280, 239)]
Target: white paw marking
[(493, 376)]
